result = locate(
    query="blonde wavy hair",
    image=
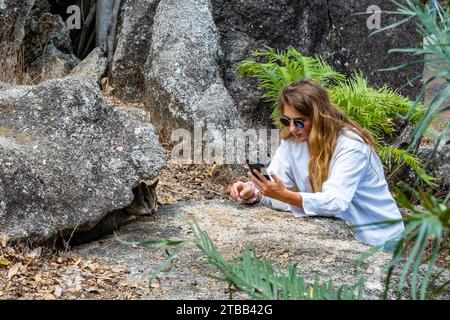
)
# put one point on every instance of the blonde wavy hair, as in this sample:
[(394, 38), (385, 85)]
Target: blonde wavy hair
[(313, 102)]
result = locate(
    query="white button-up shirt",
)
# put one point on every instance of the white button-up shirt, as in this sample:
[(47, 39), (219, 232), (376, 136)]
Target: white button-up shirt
[(356, 190)]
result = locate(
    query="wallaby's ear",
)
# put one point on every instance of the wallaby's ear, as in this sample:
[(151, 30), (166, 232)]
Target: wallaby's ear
[(142, 185), (155, 183)]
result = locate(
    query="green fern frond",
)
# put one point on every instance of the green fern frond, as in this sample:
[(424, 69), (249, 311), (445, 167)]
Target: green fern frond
[(374, 109), (280, 69), (393, 157)]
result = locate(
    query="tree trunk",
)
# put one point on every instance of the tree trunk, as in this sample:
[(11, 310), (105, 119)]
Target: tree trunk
[(105, 10), (112, 35)]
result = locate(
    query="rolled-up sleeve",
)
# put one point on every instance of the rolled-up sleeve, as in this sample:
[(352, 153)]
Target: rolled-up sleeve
[(346, 172)]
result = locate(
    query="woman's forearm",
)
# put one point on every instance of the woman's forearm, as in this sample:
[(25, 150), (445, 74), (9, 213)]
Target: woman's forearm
[(293, 198), (289, 197)]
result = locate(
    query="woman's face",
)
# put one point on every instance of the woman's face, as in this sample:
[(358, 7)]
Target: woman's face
[(301, 135)]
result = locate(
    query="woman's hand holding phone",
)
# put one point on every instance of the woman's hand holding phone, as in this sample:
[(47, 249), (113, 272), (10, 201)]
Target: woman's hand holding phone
[(274, 189)]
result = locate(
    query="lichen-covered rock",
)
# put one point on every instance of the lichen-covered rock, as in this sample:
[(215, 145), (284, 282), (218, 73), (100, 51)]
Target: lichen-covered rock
[(67, 158), (183, 81), (55, 64)]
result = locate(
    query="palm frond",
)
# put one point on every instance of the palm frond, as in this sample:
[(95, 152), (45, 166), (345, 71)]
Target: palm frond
[(260, 280), (429, 222)]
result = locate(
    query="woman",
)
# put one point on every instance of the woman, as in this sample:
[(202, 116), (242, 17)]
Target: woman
[(332, 161)]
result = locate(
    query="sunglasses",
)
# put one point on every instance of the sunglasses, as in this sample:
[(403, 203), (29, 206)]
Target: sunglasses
[(285, 121)]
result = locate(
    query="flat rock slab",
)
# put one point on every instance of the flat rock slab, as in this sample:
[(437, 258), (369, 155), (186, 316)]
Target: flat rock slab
[(322, 247)]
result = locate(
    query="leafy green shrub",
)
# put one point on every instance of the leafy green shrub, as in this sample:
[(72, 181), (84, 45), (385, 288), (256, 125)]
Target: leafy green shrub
[(433, 24)]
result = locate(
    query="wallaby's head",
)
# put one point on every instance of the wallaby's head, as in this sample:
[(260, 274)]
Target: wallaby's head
[(148, 189), (145, 199)]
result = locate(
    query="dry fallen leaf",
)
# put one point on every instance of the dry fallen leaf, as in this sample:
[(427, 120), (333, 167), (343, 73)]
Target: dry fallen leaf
[(48, 296), (58, 291), (93, 290), (37, 278), (4, 262), (169, 199), (13, 270), (3, 241)]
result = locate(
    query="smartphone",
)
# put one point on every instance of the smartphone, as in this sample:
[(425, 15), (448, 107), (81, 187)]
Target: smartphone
[(259, 167)]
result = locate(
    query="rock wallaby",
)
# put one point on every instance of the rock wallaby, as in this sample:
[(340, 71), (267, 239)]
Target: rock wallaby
[(144, 203), (145, 200)]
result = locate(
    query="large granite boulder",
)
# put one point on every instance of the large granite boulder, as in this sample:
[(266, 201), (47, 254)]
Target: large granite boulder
[(349, 47), (133, 41), (183, 77), (279, 23), (68, 157)]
